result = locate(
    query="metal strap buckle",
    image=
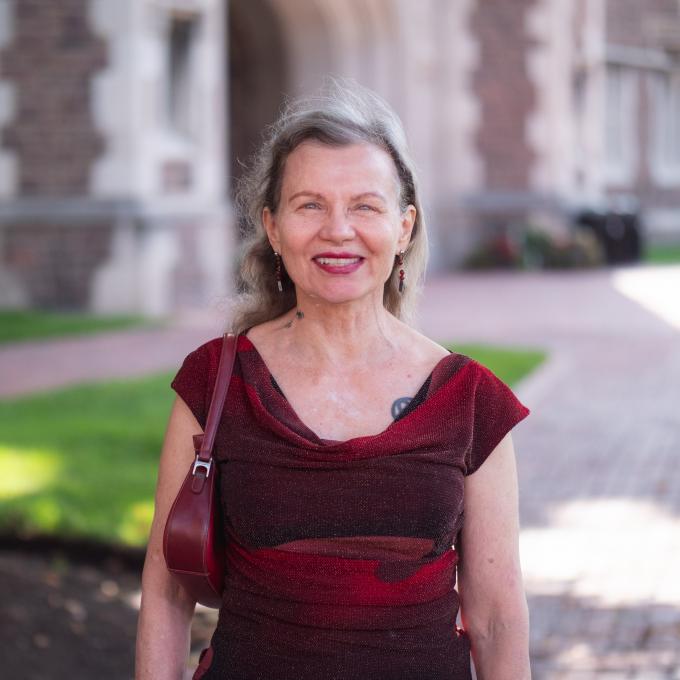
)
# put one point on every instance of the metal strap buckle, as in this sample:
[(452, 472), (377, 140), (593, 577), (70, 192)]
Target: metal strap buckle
[(206, 464)]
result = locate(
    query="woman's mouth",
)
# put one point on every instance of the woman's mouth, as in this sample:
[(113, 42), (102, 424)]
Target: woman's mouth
[(338, 265)]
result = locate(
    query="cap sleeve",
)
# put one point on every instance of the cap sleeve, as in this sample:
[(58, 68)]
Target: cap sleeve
[(496, 411), (195, 380)]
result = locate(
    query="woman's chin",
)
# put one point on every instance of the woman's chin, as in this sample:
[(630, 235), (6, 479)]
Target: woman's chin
[(342, 294)]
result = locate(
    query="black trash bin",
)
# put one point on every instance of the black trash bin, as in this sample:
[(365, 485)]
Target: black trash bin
[(619, 231)]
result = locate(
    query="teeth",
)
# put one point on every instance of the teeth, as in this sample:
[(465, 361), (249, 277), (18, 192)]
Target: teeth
[(337, 261)]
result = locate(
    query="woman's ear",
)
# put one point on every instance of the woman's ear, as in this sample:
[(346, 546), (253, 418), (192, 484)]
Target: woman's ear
[(408, 219), (269, 223)]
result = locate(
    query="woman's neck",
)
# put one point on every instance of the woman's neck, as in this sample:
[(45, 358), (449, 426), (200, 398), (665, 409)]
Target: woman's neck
[(338, 335)]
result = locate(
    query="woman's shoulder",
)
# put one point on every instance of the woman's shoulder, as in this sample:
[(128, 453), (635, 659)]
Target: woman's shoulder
[(206, 356), (420, 347), (264, 329), (195, 379), (207, 349)]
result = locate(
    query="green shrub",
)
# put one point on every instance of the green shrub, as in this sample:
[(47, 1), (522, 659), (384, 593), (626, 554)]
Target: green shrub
[(498, 252), (542, 251), (537, 249)]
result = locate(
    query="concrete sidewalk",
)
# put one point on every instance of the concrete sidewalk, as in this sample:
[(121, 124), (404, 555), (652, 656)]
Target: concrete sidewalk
[(598, 457)]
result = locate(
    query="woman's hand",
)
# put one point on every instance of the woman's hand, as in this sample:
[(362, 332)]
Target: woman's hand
[(493, 604), (163, 630)]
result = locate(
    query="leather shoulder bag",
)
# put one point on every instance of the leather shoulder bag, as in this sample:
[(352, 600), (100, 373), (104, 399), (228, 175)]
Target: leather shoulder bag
[(193, 540)]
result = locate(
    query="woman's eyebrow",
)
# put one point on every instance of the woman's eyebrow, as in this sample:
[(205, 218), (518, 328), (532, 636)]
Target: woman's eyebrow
[(312, 194), (356, 197), (374, 194)]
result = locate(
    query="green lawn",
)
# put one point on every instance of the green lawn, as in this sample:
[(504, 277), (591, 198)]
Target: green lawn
[(662, 254), (510, 365), (81, 462), (18, 325)]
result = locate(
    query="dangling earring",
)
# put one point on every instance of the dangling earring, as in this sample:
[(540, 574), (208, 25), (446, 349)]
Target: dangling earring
[(400, 262), (278, 272)]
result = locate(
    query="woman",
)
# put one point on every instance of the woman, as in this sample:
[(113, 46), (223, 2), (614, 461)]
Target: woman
[(351, 446)]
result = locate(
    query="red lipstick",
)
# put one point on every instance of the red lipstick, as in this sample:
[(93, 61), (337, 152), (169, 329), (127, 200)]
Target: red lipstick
[(338, 263)]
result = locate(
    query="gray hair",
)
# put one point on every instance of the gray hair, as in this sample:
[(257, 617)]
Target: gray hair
[(340, 114)]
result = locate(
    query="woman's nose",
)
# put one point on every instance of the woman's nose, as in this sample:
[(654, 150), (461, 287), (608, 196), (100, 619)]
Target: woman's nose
[(338, 225)]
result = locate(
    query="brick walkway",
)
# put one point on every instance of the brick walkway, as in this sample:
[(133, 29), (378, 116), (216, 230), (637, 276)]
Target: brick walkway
[(599, 460), (598, 457), (32, 366)]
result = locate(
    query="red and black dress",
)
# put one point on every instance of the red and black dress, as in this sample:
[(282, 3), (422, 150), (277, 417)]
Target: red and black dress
[(341, 554)]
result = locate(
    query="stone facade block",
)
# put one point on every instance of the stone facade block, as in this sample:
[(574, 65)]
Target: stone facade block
[(635, 32), (636, 24), (55, 263), (50, 61), (505, 92)]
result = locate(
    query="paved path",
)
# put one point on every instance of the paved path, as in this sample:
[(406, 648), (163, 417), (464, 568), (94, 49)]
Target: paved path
[(598, 458), (33, 366)]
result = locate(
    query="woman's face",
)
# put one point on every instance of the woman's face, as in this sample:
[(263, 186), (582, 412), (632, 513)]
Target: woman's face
[(338, 225)]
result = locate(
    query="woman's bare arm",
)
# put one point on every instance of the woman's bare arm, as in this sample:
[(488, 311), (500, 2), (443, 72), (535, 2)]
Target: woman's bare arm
[(164, 625), (493, 604)]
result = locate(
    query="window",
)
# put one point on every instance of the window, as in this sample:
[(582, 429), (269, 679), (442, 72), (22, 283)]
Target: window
[(621, 124), (665, 126), (181, 40)]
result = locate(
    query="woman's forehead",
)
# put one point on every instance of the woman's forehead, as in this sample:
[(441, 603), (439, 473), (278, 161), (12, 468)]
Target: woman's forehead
[(356, 168)]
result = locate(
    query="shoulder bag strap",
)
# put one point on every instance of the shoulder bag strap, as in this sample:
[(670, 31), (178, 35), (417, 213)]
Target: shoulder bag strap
[(203, 443)]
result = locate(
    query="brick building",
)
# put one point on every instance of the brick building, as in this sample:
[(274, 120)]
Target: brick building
[(123, 124)]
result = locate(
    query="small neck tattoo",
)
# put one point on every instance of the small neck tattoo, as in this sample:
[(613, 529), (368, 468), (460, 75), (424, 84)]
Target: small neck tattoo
[(299, 314)]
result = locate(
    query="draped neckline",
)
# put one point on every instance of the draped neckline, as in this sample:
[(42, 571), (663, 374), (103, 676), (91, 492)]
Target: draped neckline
[(311, 435)]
